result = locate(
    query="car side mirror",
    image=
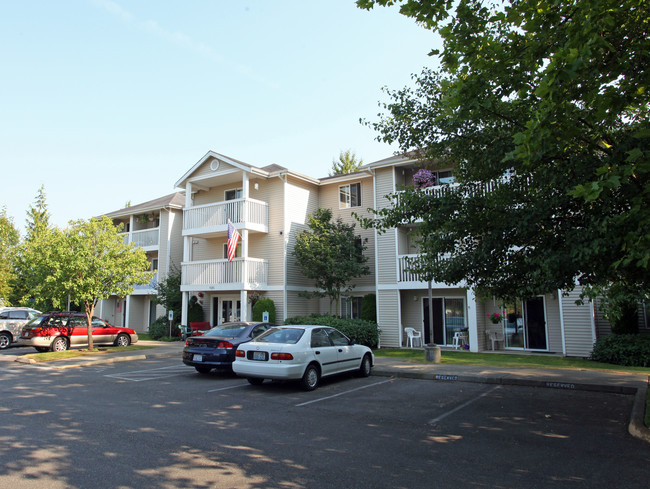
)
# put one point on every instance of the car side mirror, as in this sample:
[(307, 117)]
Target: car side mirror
[(352, 342)]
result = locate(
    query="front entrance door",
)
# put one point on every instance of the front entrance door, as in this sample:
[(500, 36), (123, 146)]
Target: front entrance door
[(230, 311), (215, 311), (438, 321), (535, 324)]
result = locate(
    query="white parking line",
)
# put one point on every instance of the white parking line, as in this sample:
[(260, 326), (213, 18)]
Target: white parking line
[(151, 374), (464, 405), (227, 388), (346, 392)]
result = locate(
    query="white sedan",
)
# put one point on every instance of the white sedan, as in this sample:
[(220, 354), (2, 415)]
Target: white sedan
[(304, 353)]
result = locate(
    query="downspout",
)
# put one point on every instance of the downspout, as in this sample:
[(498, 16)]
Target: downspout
[(284, 179)]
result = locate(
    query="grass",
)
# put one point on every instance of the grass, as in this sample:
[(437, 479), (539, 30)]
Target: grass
[(507, 360), (51, 356), (515, 361)]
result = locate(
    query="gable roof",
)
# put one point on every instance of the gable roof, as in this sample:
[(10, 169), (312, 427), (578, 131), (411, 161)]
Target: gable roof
[(172, 201)]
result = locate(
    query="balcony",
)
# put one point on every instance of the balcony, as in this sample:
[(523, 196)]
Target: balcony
[(241, 273), (410, 280), (147, 288), (210, 219), (148, 239)]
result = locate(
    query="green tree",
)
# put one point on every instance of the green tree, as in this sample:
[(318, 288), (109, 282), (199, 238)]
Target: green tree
[(9, 239), (34, 259), (331, 255), (38, 217), (169, 293), (347, 163), (90, 262), (542, 108)]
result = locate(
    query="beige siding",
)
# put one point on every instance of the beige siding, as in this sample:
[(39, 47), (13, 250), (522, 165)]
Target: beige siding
[(388, 317), (329, 198), (205, 171), (386, 243), (301, 201), (577, 326), (299, 306)]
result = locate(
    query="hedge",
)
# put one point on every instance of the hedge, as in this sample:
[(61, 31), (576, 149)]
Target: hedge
[(361, 331), (630, 350)]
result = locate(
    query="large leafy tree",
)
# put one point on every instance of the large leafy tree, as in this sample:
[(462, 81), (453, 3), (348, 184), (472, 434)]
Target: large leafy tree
[(542, 108), (330, 254), (34, 260), (90, 262), (347, 163), (9, 239)]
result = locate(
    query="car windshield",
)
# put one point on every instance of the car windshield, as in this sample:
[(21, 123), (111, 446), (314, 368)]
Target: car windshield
[(281, 335), (227, 330)]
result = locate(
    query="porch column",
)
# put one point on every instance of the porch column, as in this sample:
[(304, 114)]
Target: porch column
[(127, 312), (472, 320), (244, 305), (184, 307)]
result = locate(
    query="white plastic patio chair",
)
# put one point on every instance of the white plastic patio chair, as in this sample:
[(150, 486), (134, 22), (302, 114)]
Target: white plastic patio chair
[(413, 336)]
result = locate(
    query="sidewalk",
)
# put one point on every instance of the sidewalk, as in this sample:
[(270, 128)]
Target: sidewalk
[(591, 380)]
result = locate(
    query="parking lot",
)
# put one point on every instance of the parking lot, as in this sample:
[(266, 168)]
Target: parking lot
[(159, 424)]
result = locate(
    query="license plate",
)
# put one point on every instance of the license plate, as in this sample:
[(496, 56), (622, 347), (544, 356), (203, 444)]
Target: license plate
[(259, 355), (198, 358)]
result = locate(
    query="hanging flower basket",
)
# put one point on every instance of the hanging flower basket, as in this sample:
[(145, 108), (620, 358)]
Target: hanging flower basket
[(496, 317), (424, 178)]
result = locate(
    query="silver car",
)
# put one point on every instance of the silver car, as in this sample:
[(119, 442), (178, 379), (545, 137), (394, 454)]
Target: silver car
[(12, 320)]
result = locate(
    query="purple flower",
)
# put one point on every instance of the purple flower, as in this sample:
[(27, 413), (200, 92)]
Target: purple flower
[(424, 178)]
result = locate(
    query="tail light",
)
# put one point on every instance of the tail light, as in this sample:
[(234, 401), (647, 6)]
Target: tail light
[(281, 356), (240, 353), (225, 345)]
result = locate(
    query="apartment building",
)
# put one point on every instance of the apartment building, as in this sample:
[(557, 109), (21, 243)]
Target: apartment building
[(155, 226), (268, 206)]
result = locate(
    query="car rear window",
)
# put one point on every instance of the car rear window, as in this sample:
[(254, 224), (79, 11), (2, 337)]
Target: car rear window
[(281, 335), (228, 330)]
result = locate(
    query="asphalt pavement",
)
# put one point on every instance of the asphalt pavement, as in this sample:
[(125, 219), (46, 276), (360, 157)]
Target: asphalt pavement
[(568, 379)]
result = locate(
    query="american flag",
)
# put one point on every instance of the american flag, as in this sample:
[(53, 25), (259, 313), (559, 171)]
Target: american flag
[(233, 239)]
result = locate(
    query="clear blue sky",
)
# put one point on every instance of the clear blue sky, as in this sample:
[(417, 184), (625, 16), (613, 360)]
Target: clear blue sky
[(106, 102)]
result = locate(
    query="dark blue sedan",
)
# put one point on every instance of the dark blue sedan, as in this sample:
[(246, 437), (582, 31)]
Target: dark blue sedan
[(216, 348)]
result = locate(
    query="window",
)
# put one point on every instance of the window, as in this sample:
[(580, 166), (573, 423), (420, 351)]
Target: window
[(351, 307), (319, 339), (237, 251), (233, 194), (350, 195), (338, 339), (154, 265)]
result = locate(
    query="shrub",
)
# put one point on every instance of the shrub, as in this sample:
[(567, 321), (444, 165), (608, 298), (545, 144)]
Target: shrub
[(630, 350), (261, 306), (194, 311), (159, 328), (361, 331), (369, 307)]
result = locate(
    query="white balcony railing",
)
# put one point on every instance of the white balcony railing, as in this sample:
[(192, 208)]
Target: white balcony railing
[(215, 216), (222, 274), (151, 285), (403, 272), (144, 238)]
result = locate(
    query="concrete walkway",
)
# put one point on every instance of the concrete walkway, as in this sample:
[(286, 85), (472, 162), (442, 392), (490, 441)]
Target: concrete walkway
[(592, 380)]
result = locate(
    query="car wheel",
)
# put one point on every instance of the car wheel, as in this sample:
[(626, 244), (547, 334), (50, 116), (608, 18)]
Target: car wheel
[(42, 349), (59, 344), (203, 370), (5, 341), (366, 366), (122, 340), (255, 380), (310, 378)]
